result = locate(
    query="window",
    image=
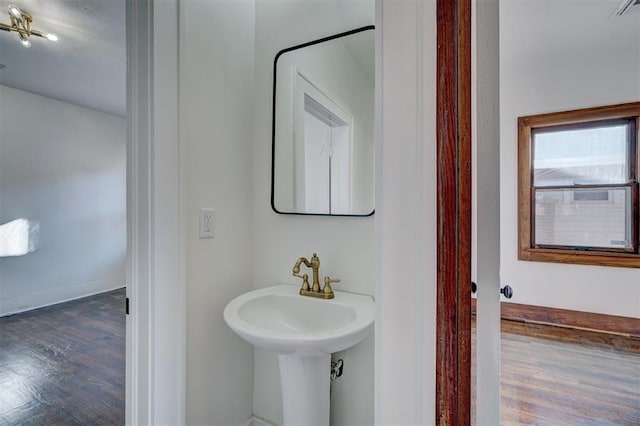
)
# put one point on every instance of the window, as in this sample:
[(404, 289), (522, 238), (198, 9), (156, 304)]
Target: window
[(578, 186)]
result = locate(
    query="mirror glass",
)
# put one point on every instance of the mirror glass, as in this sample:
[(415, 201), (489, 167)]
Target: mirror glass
[(323, 117)]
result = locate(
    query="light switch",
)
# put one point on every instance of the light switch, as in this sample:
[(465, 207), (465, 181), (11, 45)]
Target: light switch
[(207, 222)]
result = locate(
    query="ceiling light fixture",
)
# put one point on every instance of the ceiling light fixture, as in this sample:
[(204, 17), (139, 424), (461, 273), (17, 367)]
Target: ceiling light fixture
[(21, 24)]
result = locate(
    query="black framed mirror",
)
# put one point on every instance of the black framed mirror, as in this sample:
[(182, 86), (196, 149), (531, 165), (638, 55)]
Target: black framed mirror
[(323, 126)]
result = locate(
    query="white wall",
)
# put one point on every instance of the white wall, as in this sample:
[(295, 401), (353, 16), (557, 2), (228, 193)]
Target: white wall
[(216, 44), (555, 56), (345, 245), (64, 166)]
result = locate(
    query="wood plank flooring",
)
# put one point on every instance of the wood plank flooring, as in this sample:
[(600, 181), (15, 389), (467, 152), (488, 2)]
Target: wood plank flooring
[(548, 379), (64, 364)]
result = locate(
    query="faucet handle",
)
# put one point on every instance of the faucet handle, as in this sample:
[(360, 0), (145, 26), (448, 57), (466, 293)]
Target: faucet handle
[(327, 284), (305, 281)]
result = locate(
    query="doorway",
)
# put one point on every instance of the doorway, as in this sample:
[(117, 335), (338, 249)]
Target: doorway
[(323, 144), (552, 301), (63, 175)]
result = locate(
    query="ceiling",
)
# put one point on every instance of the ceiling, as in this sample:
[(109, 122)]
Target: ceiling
[(87, 66)]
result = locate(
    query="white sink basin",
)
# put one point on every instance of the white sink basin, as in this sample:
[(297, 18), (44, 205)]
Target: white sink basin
[(280, 320), (304, 332)]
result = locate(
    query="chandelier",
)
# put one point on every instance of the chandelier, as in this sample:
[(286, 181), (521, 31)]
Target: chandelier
[(21, 24)]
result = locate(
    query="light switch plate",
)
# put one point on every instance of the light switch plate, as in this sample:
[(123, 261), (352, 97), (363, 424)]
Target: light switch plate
[(207, 222)]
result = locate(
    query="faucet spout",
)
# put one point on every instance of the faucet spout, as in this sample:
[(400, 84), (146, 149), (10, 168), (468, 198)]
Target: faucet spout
[(314, 264)]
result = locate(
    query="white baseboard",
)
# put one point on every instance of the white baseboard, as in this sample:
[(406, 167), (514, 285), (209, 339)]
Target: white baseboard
[(257, 421), (50, 297)]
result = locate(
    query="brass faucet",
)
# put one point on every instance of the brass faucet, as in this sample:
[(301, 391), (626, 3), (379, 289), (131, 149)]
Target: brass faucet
[(314, 289)]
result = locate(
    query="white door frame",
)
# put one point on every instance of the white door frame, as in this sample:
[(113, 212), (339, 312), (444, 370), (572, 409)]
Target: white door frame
[(486, 206), (155, 342)]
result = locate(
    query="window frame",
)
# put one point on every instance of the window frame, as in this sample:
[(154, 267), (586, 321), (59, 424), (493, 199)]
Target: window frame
[(581, 118)]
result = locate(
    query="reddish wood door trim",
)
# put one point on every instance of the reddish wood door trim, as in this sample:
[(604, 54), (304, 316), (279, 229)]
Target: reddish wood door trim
[(453, 127), (566, 318)]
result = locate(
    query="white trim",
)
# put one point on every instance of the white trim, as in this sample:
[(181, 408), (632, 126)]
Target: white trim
[(139, 31), (405, 212), (486, 205), (180, 311), (304, 85), (155, 381)]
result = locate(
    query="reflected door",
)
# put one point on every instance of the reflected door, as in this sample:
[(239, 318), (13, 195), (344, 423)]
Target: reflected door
[(323, 145)]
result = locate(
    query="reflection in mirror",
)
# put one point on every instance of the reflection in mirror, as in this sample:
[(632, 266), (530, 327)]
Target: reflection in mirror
[(323, 113)]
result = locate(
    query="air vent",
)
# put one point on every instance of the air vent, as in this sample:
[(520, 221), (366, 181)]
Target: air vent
[(628, 7)]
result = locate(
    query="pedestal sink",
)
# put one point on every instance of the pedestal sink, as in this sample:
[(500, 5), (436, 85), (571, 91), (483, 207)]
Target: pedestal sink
[(304, 332)]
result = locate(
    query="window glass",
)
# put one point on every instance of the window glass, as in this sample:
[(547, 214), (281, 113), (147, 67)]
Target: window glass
[(587, 156), (583, 217)]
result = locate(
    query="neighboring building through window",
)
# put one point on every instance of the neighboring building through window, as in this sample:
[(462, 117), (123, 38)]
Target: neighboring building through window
[(578, 186)]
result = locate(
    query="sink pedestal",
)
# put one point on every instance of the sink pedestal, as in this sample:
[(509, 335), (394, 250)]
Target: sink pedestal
[(305, 389)]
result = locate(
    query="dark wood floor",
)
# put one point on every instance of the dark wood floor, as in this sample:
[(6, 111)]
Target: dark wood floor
[(547, 378), (64, 364)]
